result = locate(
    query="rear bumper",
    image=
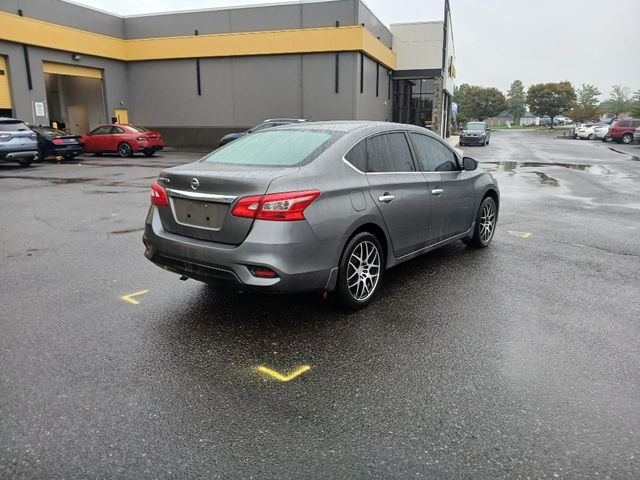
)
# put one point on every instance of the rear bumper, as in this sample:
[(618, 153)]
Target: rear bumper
[(12, 155), (149, 148), (301, 261), (65, 150)]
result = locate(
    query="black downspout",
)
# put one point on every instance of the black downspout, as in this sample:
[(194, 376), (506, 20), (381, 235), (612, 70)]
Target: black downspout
[(337, 64), (198, 71), (25, 49), (361, 72)]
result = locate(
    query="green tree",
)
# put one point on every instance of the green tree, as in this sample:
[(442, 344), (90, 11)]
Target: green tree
[(480, 102), (635, 106), (586, 107), (516, 98), (458, 93), (618, 101), (551, 98)]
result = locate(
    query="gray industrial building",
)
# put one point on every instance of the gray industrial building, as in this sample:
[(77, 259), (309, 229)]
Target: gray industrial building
[(197, 75)]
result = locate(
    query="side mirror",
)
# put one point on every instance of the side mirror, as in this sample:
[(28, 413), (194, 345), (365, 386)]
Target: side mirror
[(488, 129), (469, 163)]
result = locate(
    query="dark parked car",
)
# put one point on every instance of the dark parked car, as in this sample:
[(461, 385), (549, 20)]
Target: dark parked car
[(622, 130), (56, 143), (272, 122), (17, 142), (475, 133), (322, 206)]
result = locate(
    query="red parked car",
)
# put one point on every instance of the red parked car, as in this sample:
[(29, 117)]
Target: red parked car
[(621, 131), (123, 139)]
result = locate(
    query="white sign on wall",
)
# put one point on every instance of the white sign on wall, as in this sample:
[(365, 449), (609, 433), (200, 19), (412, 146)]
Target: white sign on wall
[(38, 109)]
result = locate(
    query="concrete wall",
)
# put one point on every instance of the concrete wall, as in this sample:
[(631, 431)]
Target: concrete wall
[(243, 19), (418, 45), (367, 18), (368, 106), (67, 14), (115, 79), (239, 92)]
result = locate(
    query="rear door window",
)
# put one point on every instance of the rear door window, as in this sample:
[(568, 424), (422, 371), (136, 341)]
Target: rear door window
[(389, 152), (357, 156), (116, 130), (432, 155), (622, 123), (101, 130), (273, 148)]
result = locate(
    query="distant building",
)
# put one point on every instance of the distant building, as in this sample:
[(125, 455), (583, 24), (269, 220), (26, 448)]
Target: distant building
[(197, 75)]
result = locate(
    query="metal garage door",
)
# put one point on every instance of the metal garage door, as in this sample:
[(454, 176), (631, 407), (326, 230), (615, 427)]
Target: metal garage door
[(5, 91)]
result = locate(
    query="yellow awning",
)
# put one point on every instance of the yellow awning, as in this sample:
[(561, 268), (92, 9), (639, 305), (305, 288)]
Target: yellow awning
[(71, 70)]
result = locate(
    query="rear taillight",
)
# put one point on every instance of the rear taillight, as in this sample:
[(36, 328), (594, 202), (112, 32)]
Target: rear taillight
[(4, 137), (142, 138), (57, 141), (288, 206), (158, 195)]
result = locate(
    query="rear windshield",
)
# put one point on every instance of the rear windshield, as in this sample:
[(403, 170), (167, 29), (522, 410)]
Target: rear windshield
[(13, 126), (50, 131), (273, 148)]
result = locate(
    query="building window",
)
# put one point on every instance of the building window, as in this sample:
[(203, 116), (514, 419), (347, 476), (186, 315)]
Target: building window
[(413, 101)]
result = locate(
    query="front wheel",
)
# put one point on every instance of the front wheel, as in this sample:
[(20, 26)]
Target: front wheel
[(485, 224), (591, 136), (627, 138), (360, 271), (124, 150)]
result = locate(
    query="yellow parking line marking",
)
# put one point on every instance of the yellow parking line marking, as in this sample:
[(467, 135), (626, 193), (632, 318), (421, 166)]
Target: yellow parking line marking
[(133, 301), (519, 234), (284, 378)]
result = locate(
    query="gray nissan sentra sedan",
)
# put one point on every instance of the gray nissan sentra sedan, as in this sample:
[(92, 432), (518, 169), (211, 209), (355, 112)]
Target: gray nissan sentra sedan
[(319, 206)]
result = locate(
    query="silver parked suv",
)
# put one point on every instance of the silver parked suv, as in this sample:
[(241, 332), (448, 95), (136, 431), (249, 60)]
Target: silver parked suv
[(17, 142), (317, 207)]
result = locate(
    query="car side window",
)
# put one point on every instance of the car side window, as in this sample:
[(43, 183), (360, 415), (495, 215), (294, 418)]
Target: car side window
[(357, 156), (389, 152), (116, 130), (432, 155), (101, 131)]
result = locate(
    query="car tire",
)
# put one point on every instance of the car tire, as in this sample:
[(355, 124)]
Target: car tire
[(363, 250), (68, 158), (26, 161), (591, 136), (148, 153), (485, 228), (124, 150), (98, 154), (627, 138)]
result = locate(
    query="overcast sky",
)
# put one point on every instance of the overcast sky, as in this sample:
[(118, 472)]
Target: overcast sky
[(498, 41)]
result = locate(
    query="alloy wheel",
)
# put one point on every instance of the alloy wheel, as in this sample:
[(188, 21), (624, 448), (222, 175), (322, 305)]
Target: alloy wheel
[(363, 270), (487, 222), (124, 150)]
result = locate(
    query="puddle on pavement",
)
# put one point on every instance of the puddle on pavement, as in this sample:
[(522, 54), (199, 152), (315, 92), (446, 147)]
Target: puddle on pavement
[(513, 166), (547, 180)]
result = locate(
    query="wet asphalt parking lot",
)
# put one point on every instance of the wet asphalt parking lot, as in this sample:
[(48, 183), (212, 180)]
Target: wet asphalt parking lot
[(518, 361)]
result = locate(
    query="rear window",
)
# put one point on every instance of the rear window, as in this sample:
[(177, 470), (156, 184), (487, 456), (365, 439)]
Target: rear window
[(49, 131), (13, 126), (138, 129), (275, 148)]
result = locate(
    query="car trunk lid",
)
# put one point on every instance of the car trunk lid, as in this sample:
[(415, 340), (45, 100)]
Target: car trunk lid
[(200, 201)]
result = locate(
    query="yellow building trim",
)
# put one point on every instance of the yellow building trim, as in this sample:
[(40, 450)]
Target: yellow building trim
[(18, 29), (72, 70), (5, 90)]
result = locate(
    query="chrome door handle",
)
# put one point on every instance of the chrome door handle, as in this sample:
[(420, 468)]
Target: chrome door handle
[(437, 192), (386, 198)]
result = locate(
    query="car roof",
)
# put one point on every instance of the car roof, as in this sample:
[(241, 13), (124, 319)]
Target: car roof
[(362, 127), (4, 119), (290, 120)]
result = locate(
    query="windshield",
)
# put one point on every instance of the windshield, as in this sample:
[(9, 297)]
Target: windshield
[(475, 127), (13, 126), (283, 148)]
